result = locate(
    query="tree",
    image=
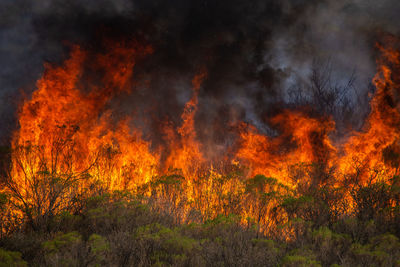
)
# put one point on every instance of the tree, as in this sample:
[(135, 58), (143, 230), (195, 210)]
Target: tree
[(44, 179)]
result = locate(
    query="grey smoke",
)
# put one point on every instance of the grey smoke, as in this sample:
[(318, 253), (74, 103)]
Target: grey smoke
[(254, 50)]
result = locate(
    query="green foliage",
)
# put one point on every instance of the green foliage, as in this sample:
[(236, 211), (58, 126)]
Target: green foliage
[(329, 246), (308, 225), (11, 259), (168, 246), (292, 204), (269, 247), (62, 241), (383, 250), (98, 249), (300, 258), (298, 207), (223, 220), (71, 250), (299, 261)]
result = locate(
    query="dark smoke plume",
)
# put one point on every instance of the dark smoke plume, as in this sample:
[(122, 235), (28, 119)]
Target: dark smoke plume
[(257, 53)]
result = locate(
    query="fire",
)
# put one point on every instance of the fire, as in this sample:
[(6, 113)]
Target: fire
[(185, 150), (300, 139), (305, 139), (371, 148), (68, 125)]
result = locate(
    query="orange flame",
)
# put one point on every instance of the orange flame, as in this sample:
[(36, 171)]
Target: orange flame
[(69, 125), (185, 151), (60, 114), (369, 149), (300, 139)]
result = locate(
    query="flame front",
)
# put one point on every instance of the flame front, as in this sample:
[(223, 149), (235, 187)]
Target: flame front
[(67, 127)]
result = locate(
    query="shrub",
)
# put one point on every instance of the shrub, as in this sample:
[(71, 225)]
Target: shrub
[(11, 259)]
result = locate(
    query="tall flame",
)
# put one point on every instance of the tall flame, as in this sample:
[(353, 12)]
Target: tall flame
[(64, 112), (373, 148), (300, 140), (185, 151), (68, 125)]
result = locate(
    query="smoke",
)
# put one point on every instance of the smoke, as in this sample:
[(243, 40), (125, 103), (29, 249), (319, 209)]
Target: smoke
[(254, 51)]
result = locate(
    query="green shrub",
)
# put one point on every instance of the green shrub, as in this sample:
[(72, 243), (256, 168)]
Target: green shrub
[(300, 258), (330, 247), (165, 245), (71, 250), (11, 259)]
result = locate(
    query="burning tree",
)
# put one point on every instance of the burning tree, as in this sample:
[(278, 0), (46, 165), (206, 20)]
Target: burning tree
[(41, 185)]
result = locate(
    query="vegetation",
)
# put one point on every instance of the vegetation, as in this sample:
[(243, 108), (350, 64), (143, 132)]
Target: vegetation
[(315, 223)]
